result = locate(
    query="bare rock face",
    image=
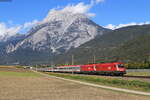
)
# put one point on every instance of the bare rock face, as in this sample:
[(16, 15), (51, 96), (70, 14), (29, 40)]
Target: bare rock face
[(59, 32)]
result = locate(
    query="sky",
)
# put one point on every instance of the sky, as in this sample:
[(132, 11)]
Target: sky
[(21, 15)]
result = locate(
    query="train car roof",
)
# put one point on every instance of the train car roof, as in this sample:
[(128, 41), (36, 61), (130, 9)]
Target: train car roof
[(70, 66), (105, 63), (92, 64)]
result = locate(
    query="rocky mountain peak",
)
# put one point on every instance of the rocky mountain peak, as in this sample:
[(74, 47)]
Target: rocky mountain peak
[(59, 32), (67, 16)]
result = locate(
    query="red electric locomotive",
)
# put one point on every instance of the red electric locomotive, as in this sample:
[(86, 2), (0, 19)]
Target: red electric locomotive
[(115, 68)]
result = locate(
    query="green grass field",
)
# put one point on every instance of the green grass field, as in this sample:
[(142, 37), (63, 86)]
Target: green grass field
[(138, 73), (19, 74), (121, 83), (16, 71)]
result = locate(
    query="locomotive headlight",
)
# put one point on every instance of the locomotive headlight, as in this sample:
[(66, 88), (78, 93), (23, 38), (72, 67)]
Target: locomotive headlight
[(109, 67)]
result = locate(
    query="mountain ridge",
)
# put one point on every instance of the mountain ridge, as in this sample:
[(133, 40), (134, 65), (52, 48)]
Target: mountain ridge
[(111, 47)]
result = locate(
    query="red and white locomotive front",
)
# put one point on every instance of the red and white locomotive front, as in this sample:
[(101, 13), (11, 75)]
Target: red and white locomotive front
[(115, 68), (120, 68)]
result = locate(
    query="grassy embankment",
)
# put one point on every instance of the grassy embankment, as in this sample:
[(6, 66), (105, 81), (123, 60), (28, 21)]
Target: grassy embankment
[(128, 84), (138, 73)]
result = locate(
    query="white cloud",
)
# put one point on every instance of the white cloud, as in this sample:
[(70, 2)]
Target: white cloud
[(93, 2), (98, 1), (30, 24), (91, 14), (111, 26), (81, 8), (5, 30)]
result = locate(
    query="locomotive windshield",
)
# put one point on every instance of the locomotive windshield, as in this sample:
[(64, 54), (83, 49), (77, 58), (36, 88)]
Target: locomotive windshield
[(120, 66)]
